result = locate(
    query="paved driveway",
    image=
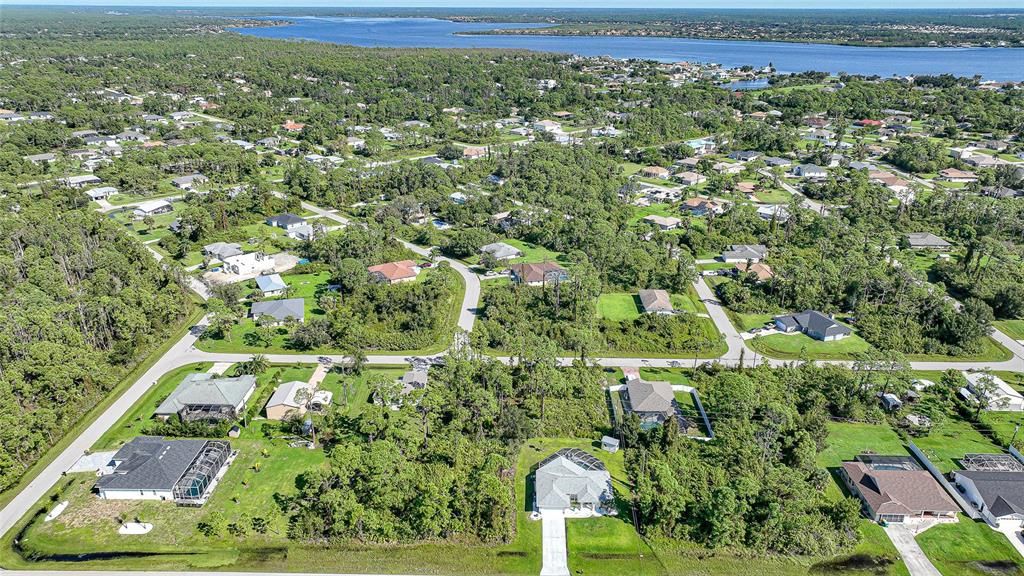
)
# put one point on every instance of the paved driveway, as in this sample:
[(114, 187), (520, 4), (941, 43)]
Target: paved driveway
[(555, 560), (1012, 532), (902, 536)]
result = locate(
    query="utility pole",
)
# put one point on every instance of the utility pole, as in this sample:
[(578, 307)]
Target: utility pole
[(1016, 428)]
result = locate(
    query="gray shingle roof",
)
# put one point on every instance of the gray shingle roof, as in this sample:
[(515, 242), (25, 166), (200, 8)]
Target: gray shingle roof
[(285, 220), (1003, 492), (270, 283), (651, 397), (655, 301), (814, 322), (205, 389), (280, 310), (563, 479), (151, 463)]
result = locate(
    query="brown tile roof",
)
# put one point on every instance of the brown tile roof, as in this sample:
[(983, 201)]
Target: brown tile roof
[(763, 271), (535, 272), (908, 492), (395, 270)]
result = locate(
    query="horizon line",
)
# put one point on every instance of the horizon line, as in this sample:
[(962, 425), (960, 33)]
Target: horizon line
[(86, 4)]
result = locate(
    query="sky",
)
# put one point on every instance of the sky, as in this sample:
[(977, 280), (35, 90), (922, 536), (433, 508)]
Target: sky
[(767, 4)]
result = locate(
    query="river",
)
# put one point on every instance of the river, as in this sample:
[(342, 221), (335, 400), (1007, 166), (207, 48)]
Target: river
[(998, 64)]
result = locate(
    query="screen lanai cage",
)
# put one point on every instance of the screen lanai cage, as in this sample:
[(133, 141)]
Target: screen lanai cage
[(192, 487)]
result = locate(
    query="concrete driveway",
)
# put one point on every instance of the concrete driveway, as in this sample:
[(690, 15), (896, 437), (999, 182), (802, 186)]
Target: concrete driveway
[(903, 537), (556, 561), (1012, 532)]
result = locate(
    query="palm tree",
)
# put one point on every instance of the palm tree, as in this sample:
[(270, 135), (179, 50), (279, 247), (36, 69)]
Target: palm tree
[(258, 364)]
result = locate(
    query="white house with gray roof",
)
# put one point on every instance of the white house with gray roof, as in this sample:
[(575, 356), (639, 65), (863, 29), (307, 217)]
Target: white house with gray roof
[(501, 251), (744, 253), (205, 396), (280, 310), (572, 481), (152, 468), (813, 323)]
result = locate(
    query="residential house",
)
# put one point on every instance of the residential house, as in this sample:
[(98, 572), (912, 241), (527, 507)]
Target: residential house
[(653, 402), (814, 324), (954, 175), (811, 171), (994, 485), (776, 212), (702, 146), (573, 482), (689, 178), (744, 155), (249, 264), (537, 274), (305, 232), (474, 152), (44, 158), (1000, 192), (151, 468), (222, 250), (655, 172), (744, 253), (288, 400), (202, 396), (80, 181), (895, 489), (189, 181), (702, 206), (286, 221), (131, 136), (395, 272), (656, 302), (1002, 398), (926, 241), (280, 310), (759, 269), (271, 285), (547, 126), (152, 208), (101, 193), (501, 251), (728, 167), (663, 222), (773, 161), (292, 126)]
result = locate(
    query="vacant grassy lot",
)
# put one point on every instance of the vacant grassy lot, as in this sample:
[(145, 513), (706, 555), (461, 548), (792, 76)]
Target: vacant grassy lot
[(969, 548), (352, 392), (949, 440), (532, 253), (618, 306)]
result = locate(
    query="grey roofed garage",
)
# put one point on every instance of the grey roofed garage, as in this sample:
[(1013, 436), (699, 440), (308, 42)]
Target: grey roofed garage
[(205, 389), (280, 310), (150, 463)]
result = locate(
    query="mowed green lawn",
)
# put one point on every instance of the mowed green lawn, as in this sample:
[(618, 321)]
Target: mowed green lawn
[(1012, 328), (950, 439), (969, 548), (352, 393), (532, 253), (625, 306), (792, 346)]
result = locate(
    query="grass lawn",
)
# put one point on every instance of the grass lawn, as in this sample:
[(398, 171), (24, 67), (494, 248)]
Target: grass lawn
[(618, 306), (667, 210), (532, 253), (969, 548), (745, 322), (352, 393), (791, 346), (848, 439), (1012, 328), (773, 196), (949, 440)]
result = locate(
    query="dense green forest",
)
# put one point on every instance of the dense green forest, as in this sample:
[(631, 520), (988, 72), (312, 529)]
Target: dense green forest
[(82, 303)]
